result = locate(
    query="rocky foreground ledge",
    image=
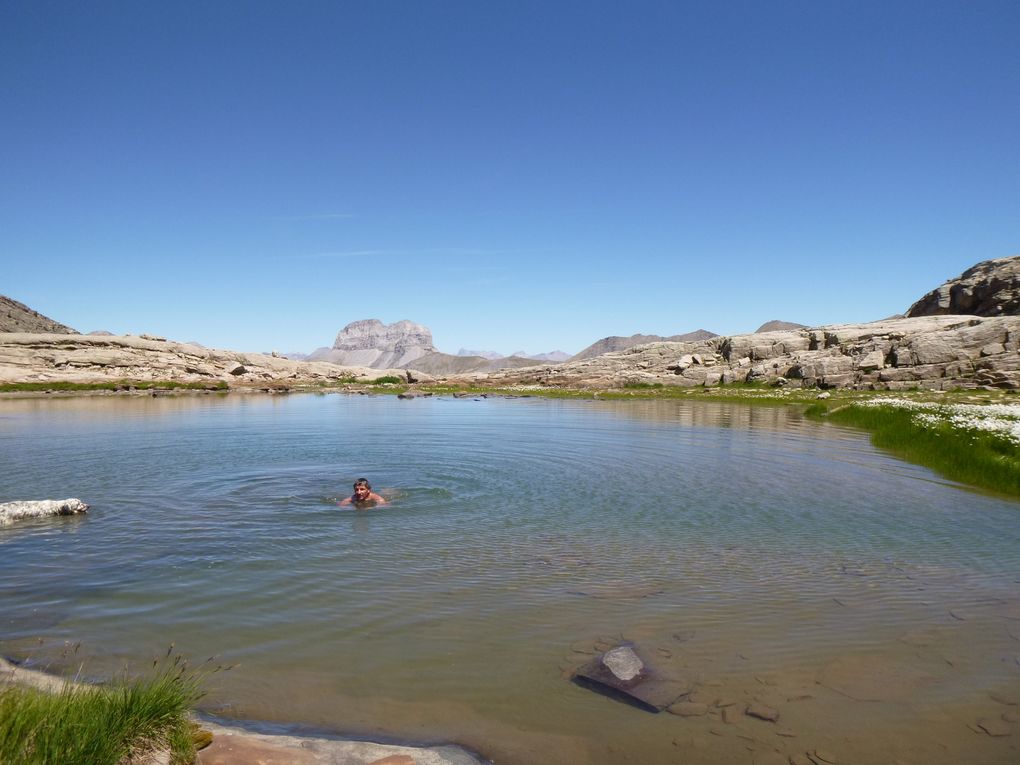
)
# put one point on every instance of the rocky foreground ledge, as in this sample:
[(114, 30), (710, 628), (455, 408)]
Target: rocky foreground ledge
[(928, 352)]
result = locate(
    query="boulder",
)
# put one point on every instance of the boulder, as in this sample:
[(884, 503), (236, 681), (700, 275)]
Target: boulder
[(991, 288), (622, 674)]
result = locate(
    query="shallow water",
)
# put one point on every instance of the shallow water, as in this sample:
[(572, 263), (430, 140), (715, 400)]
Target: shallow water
[(746, 550)]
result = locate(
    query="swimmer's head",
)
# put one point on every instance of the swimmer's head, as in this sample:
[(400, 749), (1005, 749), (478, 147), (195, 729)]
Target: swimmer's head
[(362, 488)]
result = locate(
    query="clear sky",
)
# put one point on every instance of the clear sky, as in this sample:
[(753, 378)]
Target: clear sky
[(514, 175)]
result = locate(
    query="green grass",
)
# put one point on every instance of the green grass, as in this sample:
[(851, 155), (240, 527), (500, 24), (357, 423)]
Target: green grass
[(27, 387), (388, 380), (101, 725), (978, 458)]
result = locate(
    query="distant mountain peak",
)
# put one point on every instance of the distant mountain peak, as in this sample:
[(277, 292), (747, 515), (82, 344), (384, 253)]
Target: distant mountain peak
[(777, 325)]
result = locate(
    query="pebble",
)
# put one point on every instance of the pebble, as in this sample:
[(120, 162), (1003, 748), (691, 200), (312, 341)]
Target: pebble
[(763, 712), (730, 715), (688, 709)]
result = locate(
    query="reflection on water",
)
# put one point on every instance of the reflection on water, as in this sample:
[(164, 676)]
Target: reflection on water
[(760, 556)]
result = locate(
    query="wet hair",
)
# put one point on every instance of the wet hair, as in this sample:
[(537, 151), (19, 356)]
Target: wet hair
[(363, 482)]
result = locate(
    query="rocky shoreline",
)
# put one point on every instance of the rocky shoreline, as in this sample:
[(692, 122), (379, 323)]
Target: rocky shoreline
[(237, 745), (929, 352)]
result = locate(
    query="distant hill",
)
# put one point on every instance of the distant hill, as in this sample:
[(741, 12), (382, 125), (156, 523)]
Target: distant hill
[(776, 325), (615, 343), (553, 357), (18, 317), (447, 364), (482, 354)]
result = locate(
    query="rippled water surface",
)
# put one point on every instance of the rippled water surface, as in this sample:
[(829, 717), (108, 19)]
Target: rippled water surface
[(755, 555)]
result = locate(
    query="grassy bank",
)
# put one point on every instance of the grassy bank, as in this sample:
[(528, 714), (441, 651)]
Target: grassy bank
[(970, 443), (100, 725)]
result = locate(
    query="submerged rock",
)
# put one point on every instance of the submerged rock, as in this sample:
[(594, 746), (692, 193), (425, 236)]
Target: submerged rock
[(621, 673)]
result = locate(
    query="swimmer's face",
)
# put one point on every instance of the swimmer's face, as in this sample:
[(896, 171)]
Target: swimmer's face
[(361, 492)]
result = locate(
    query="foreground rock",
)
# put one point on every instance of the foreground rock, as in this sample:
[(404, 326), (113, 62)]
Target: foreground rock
[(106, 358), (930, 352), (621, 673), (16, 511), (236, 746)]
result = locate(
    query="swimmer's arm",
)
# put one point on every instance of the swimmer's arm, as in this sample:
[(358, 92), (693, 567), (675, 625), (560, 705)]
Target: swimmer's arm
[(344, 501)]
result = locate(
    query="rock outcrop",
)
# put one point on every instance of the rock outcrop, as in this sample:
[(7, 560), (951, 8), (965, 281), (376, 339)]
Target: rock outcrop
[(103, 358), (616, 343), (932, 352), (18, 317), (991, 288), (370, 343)]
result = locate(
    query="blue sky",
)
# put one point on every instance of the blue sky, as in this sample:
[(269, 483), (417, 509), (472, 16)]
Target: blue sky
[(513, 175)]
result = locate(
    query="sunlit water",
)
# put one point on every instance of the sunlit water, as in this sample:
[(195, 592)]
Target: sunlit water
[(758, 555)]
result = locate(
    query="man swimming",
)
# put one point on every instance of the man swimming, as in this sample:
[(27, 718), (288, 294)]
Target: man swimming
[(363, 495)]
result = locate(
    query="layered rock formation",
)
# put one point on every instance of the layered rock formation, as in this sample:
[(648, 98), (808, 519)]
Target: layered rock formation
[(18, 317), (370, 343), (991, 288), (616, 343), (104, 358), (934, 352)]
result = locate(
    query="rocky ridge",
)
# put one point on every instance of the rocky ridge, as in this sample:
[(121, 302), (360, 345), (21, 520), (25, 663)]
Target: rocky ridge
[(931, 352), (18, 317), (33, 357), (617, 343)]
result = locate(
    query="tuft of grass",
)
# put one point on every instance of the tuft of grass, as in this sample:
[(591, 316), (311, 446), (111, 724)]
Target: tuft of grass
[(982, 459), (642, 385), (388, 379), (101, 725)]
